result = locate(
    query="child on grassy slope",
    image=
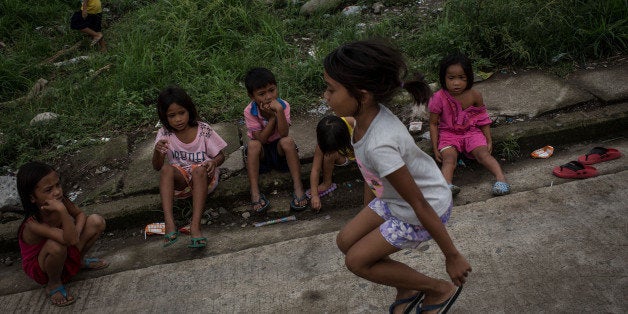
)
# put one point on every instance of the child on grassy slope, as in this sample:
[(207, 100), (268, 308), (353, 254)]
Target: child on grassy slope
[(412, 201), (194, 152), (55, 233), (89, 21), (333, 136), (267, 120), (459, 123)]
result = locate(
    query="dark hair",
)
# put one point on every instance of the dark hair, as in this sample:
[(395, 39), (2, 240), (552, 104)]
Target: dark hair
[(452, 59), (171, 95), (28, 176), (376, 67), (257, 78), (332, 134)]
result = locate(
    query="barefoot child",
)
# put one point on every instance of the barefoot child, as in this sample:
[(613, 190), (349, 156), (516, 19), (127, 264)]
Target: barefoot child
[(194, 153), (270, 146), (412, 201), (333, 136), (55, 233), (459, 123)]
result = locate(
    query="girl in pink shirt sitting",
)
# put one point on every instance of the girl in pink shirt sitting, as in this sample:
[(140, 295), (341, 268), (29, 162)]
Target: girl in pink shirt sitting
[(194, 152), (459, 123)]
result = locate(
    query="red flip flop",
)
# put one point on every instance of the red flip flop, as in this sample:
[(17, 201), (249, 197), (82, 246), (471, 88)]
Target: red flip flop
[(574, 170), (599, 154)]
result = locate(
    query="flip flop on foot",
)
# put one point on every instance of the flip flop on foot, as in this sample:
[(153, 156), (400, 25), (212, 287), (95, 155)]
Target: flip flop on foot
[(411, 302), (331, 188), (94, 263), (67, 300), (294, 204), (262, 202), (441, 307), (171, 238), (197, 243)]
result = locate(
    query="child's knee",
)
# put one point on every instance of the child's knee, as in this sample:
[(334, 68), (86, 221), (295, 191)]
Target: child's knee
[(97, 222), (287, 144), (166, 170)]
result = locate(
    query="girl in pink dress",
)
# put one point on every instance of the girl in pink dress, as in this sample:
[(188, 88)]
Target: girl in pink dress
[(55, 233), (459, 123)]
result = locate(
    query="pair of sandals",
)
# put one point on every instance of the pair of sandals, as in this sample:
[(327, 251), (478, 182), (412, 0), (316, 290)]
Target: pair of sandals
[(263, 202), (171, 238), (581, 168)]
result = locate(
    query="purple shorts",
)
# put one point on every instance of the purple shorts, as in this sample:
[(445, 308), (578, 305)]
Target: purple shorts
[(399, 234), (463, 143)]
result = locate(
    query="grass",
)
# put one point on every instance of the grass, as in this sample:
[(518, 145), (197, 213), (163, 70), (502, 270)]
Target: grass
[(207, 46)]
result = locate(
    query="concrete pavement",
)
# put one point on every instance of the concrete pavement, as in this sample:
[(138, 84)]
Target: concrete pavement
[(558, 249)]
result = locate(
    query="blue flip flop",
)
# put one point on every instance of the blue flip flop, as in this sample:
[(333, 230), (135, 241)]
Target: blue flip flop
[(261, 199), (442, 307), (413, 300), (64, 293), (296, 200), (88, 261)]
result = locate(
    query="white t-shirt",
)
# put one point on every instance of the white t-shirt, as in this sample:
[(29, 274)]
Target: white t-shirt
[(387, 146), (206, 145)]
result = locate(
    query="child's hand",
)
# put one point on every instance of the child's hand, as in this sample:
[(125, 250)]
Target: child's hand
[(458, 269), (53, 205), (275, 106), (315, 203), (438, 156), (210, 166), (162, 146)]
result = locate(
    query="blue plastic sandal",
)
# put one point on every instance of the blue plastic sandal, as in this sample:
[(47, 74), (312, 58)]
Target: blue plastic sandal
[(64, 293), (197, 243), (294, 204), (501, 188), (171, 238), (443, 307)]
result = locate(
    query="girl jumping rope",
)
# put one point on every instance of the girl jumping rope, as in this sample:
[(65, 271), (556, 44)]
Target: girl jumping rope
[(55, 233), (411, 201), (459, 123), (333, 136), (194, 152)]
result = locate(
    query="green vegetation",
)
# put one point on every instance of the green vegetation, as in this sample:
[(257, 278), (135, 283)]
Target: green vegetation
[(207, 46)]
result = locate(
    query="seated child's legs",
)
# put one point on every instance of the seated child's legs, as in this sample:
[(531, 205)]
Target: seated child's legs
[(288, 148), (485, 158), (254, 153), (57, 263), (199, 195)]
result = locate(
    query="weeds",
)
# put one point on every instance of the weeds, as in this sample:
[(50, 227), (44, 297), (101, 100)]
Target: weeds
[(207, 46), (509, 149)]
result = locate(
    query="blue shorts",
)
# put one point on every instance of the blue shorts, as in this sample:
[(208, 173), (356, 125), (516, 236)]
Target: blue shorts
[(399, 234)]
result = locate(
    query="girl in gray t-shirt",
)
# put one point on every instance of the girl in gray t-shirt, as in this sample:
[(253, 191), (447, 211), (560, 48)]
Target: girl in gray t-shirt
[(411, 200)]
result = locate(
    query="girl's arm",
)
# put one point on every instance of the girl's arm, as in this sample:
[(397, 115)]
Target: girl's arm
[(78, 215), (434, 120), (212, 164), (457, 265), (159, 154), (317, 165), (478, 101), (65, 235)]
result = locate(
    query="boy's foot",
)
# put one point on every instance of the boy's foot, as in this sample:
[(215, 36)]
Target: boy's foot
[(298, 203), (261, 204), (59, 296), (96, 39)]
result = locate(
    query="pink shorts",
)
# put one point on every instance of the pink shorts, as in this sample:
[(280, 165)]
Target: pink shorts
[(71, 267), (463, 143), (187, 175)]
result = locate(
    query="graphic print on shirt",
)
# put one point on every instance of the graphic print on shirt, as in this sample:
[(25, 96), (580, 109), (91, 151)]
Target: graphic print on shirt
[(373, 181)]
